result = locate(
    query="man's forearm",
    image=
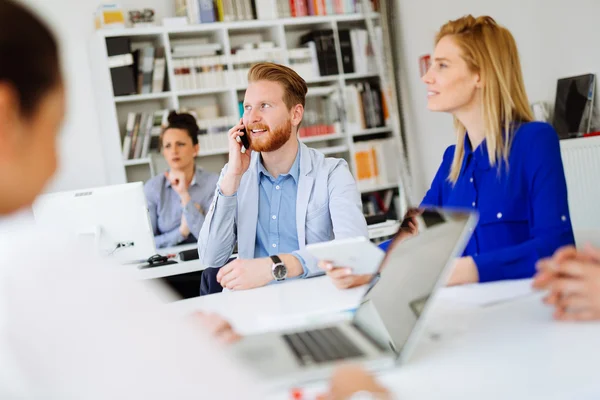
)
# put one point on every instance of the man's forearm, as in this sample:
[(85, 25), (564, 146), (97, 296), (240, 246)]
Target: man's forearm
[(293, 265), (230, 184)]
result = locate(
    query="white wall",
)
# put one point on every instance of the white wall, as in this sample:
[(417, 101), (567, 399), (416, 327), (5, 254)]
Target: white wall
[(556, 38), (82, 161)]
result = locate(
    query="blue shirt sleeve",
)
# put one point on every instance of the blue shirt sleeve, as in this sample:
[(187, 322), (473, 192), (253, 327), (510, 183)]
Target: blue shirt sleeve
[(434, 196), (550, 224)]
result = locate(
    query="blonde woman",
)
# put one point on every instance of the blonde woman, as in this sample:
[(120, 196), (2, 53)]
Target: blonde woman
[(503, 165)]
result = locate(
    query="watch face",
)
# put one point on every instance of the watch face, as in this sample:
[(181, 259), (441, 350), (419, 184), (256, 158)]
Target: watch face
[(280, 272)]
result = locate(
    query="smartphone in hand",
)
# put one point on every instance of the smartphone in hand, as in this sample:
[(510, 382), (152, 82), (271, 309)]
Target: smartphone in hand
[(244, 140)]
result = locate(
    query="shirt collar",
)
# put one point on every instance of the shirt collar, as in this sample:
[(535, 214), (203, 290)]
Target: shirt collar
[(294, 170), (480, 154), (196, 173)]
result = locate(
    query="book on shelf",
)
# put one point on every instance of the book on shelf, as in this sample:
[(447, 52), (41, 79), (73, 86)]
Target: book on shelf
[(205, 11), (208, 72), (160, 67), (303, 60), (147, 69), (346, 50), (378, 203), (322, 115), (364, 106), (144, 74), (143, 129), (324, 44), (375, 162), (121, 64), (251, 53)]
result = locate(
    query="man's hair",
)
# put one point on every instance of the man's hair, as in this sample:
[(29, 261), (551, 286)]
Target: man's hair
[(294, 87)]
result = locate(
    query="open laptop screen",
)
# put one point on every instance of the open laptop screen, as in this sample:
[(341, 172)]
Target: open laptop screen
[(411, 271)]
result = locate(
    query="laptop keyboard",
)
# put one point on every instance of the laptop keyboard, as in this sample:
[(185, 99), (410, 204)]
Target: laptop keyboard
[(321, 345)]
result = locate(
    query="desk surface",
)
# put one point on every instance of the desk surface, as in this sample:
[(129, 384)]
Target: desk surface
[(509, 349), (182, 267)]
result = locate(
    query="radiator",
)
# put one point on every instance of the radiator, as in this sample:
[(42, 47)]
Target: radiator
[(581, 159)]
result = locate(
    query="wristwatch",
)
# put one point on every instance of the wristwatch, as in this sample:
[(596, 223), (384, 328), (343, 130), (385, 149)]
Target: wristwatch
[(278, 269)]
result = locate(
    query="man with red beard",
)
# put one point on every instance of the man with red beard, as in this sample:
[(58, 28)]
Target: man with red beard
[(279, 195)]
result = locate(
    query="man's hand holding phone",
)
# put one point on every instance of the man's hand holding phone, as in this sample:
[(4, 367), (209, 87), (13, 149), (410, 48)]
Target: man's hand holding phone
[(239, 160)]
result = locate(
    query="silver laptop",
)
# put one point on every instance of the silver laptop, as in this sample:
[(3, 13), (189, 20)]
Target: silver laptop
[(387, 324)]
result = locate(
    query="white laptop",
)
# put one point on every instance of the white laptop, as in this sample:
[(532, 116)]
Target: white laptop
[(387, 324)]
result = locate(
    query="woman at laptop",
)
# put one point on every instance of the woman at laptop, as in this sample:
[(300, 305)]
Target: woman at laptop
[(503, 164), (179, 198), (71, 327)]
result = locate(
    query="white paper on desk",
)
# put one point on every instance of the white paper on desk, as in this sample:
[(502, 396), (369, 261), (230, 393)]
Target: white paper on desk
[(289, 322), (488, 294)]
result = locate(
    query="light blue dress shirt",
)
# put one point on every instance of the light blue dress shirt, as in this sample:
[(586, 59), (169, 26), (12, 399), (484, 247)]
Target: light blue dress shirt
[(327, 206), (276, 231), (164, 206)]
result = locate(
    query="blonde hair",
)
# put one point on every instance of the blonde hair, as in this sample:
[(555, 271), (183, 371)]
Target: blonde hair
[(490, 50), (294, 87)]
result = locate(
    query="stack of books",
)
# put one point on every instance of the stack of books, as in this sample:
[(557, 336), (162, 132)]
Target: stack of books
[(141, 71), (198, 64), (207, 11), (365, 106), (322, 116), (251, 53), (142, 132), (376, 163)]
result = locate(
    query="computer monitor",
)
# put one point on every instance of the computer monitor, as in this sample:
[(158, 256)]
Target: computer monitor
[(112, 220), (573, 105)]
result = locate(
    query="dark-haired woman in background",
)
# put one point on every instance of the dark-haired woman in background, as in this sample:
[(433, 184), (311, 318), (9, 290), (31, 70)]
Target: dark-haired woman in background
[(179, 198)]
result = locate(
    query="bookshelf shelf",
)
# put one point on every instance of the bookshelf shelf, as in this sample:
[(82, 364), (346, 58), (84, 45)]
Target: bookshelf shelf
[(238, 25), (200, 92), (333, 149), (359, 76), (321, 79), (376, 188), (136, 161), (320, 91), (372, 131), (322, 138), (142, 97)]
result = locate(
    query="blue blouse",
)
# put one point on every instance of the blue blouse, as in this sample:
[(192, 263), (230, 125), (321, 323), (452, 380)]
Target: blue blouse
[(523, 207)]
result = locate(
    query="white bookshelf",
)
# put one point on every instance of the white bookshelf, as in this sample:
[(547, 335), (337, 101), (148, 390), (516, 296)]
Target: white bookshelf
[(284, 33)]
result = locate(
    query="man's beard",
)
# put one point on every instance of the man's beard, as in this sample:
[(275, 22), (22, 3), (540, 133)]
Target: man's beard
[(270, 140)]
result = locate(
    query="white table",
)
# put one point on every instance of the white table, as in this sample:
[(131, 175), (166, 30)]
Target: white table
[(507, 350), (275, 306), (182, 267)]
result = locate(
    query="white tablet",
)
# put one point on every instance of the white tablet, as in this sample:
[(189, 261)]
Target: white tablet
[(359, 254)]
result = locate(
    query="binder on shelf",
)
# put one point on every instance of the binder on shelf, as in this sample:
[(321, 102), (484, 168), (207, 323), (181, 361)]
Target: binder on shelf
[(346, 50), (325, 48), (121, 64)]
